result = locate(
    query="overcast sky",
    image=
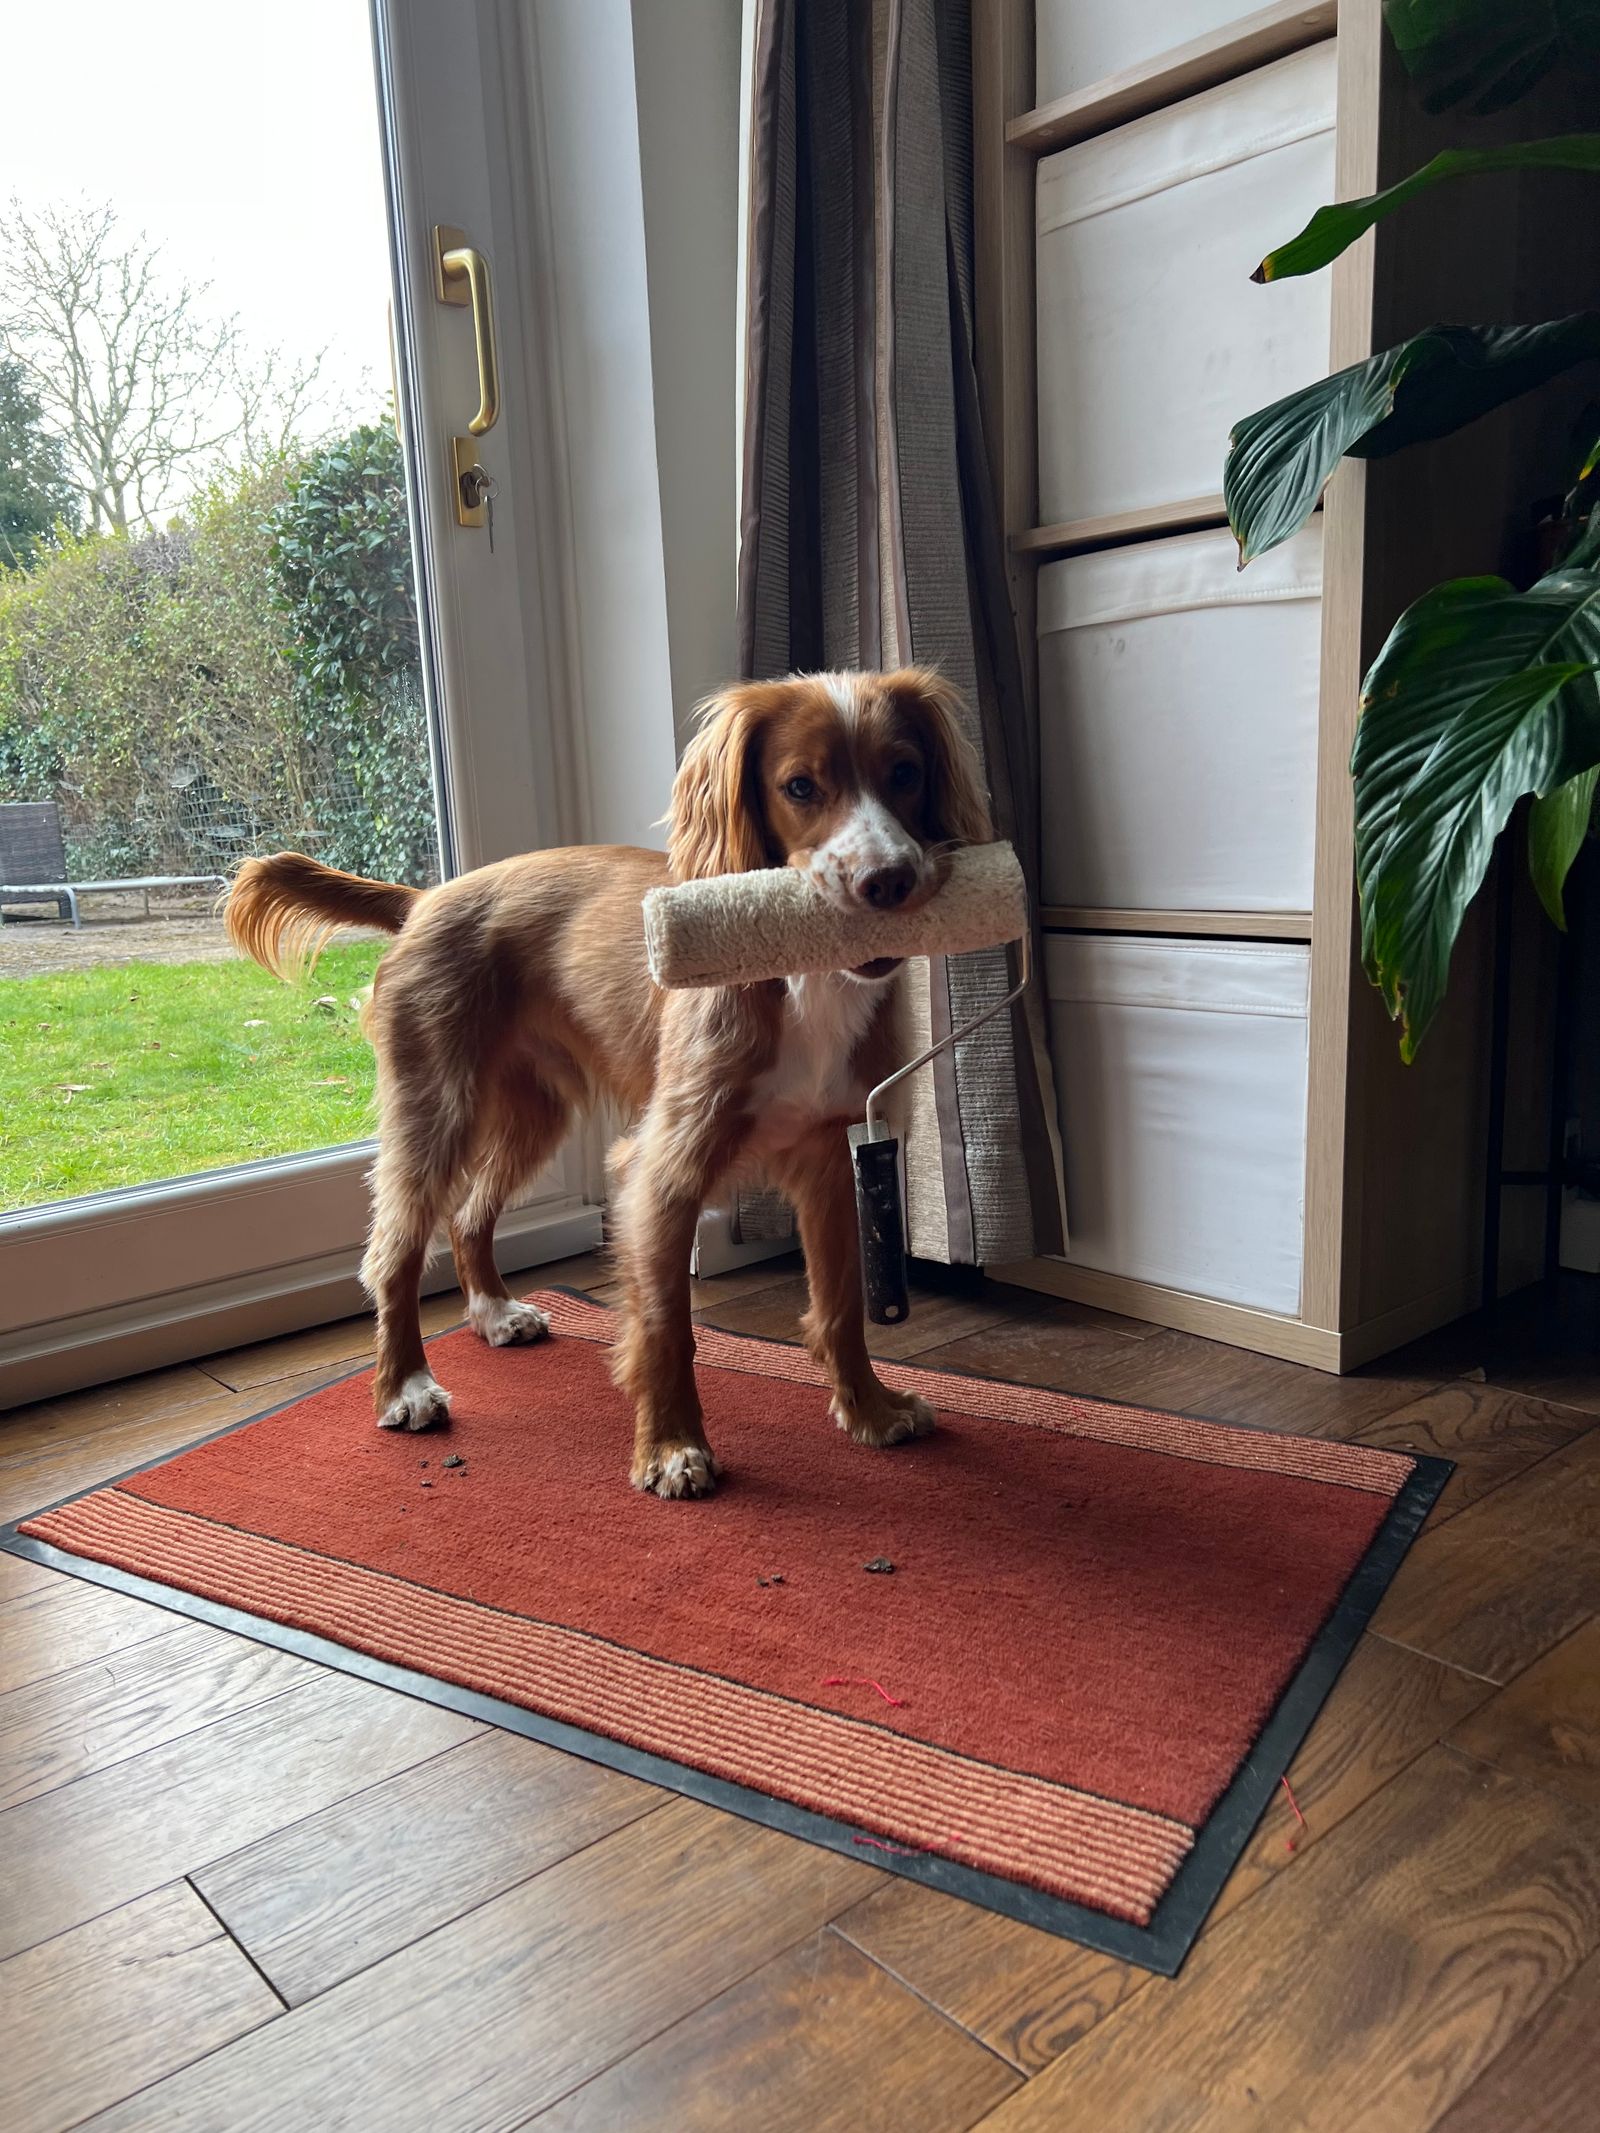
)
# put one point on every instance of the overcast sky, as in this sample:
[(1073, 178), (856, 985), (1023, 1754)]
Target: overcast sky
[(245, 137)]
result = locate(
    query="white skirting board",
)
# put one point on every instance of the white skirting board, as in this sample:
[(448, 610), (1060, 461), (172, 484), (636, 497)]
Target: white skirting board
[(1152, 340), (1178, 725)]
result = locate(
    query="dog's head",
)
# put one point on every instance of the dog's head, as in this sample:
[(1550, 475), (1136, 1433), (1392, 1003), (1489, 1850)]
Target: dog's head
[(866, 781)]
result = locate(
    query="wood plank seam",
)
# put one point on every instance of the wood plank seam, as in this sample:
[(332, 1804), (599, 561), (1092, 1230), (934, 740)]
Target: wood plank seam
[(234, 1940), (732, 1984), (162, 1624), (909, 1985), (176, 1624), (1454, 1664), (1505, 1688), (1487, 1763), (444, 1925)]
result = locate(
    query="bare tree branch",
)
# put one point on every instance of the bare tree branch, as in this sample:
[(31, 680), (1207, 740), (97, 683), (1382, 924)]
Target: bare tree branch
[(151, 390)]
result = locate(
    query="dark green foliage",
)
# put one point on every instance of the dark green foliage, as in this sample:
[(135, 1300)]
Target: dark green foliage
[(243, 681), (341, 557), (1280, 458), (1334, 229), (1488, 53), (35, 494), (1482, 694)]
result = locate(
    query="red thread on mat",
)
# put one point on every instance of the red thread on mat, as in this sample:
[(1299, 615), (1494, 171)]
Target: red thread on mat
[(900, 1851), (1295, 1804), (862, 1681)]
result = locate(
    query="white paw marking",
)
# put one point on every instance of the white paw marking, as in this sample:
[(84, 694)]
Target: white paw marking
[(421, 1402), (901, 1416), (685, 1471), (505, 1324)]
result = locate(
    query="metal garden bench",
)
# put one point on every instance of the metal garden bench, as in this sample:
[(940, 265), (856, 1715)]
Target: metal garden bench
[(33, 864)]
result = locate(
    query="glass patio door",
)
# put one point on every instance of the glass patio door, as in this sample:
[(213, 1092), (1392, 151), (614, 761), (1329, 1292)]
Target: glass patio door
[(263, 306)]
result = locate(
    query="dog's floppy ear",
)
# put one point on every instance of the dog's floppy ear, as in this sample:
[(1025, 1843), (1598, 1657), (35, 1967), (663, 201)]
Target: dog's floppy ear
[(715, 824), (956, 806)]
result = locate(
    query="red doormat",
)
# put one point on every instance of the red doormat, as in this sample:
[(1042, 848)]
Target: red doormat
[(1103, 1634)]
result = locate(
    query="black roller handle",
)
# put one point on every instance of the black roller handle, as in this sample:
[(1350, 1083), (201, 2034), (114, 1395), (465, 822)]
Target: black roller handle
[(883, 1232)]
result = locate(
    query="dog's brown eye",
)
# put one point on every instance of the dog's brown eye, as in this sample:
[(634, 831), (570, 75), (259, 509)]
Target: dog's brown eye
[(800, 790), (904, 776)]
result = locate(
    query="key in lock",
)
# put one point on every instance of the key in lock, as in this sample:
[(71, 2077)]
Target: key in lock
[(478, 491)]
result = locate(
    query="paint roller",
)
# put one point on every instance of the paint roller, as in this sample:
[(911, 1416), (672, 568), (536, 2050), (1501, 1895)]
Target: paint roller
[(743, 929)]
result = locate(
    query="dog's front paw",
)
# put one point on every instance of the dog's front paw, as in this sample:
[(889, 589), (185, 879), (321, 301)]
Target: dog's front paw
[(505, 1324), (421, 1403), (883, 1418), (675, 1470)]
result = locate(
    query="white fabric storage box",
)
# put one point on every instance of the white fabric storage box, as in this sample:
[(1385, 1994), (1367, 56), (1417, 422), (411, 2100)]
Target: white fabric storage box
[(1178, 725), (1080, 42), (1181, 1072), (1153, 340)]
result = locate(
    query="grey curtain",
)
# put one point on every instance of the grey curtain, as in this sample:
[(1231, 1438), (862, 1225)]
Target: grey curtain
[(868, 533)]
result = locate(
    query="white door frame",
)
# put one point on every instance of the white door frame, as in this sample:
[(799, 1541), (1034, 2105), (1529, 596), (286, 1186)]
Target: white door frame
[(94, 1288)]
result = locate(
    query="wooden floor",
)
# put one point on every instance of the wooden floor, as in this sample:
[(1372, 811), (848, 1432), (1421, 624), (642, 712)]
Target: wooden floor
[(238, 1891)]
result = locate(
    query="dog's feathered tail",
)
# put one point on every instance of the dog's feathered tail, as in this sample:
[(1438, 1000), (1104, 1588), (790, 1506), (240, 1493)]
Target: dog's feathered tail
[(283, 911)]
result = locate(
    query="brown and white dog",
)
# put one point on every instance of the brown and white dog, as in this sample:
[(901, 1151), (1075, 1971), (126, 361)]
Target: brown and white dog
[(518, 995)]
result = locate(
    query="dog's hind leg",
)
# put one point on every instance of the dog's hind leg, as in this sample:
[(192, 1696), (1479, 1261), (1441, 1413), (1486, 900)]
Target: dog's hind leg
[(423, 1153), (519, 1137)]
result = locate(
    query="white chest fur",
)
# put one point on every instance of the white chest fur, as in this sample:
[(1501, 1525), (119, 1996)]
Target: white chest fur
[(813, 1077)]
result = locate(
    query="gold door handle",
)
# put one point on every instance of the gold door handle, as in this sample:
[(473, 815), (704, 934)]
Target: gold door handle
[(461, 276)]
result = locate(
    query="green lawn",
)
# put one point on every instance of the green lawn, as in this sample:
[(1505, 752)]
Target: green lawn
[(153, 1070)]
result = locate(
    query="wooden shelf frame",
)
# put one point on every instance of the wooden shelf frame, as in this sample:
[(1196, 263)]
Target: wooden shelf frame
[(1270, 33), (1207, 925), (1073, 536), (1393, 1182)]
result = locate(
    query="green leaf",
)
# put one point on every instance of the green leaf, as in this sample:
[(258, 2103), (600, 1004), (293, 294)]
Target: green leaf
[(1481, 694), (1488, 53), (1332, 230), (1557, 827), (1280, 458)]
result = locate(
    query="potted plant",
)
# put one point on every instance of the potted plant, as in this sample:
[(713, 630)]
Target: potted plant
[(1484, 693)]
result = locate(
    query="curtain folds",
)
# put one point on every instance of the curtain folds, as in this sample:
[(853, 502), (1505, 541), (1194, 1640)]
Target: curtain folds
[(868, 532)]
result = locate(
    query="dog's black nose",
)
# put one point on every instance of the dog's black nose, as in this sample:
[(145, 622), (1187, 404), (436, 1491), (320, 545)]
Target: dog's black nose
[(886, 888)]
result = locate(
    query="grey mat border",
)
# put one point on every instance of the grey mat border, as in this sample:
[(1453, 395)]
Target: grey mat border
[(1161, 1946)]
